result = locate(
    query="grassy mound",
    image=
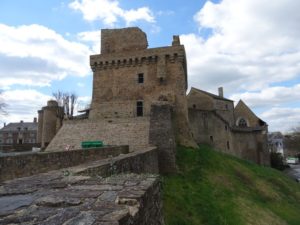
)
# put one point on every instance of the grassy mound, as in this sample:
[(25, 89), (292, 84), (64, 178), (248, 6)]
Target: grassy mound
[(214, 188)]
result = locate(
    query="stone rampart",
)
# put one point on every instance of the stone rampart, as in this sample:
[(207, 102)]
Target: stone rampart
[(27, 164), (123, 131), (143, 161), (54, 199), (91, 193), (161, 134)]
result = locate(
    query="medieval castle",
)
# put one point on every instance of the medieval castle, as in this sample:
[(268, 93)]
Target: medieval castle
[(141, 111), (139, 99)]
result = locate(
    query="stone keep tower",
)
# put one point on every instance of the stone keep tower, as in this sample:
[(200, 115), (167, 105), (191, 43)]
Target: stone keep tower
[(139, 98), (48, 121), (129, 78)]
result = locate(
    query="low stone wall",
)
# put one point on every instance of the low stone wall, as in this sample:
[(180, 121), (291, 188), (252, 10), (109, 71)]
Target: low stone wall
[(52, 199), (91, 193), (19, 147), (27, 164), (143, 161)]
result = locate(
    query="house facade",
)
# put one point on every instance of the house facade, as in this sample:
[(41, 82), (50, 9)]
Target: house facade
[(19, 133), (275, 142)]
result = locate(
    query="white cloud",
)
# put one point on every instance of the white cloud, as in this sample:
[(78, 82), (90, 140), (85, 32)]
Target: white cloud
[(270, 97), (23, 104), (83, 102), (36, 55), (282, 119), (93, 37), (252, 44), (109, 12)]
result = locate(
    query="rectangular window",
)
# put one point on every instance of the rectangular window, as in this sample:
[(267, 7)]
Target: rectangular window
[(228, 146), (139, 108), (140, 78)]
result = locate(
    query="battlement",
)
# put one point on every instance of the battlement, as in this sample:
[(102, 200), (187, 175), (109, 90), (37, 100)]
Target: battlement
[(170, 54)]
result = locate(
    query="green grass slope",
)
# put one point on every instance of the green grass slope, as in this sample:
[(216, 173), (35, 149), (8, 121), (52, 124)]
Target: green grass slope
[(214, 188)]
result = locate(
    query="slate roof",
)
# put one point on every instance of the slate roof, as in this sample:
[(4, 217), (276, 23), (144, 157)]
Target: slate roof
[(31, 126), (212, 95)]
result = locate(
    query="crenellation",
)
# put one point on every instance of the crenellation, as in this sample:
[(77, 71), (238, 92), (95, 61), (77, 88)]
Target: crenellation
[(116, 63)]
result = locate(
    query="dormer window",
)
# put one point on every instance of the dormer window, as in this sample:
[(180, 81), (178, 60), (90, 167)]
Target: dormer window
[(140, 78)]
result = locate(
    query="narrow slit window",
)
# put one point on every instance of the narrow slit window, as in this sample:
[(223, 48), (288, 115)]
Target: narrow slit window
[(140, 78), (139, 108)]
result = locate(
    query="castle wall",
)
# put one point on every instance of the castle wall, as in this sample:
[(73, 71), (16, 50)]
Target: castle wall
[(90, 193), (40, 126), (208, 127), (201, 101), (49, 122), (28, 164), (117, 131), (225, 110), (161, 134), (116, 85)]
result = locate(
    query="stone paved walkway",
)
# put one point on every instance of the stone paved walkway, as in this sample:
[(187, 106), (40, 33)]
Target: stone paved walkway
[(58, 197)]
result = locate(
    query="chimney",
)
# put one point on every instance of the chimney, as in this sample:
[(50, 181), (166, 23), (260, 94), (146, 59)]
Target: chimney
[(21, 121), (4, 125), (176, 40), (220, 89), (34, 120)]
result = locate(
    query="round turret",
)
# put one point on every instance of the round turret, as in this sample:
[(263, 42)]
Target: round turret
[(52, 103)]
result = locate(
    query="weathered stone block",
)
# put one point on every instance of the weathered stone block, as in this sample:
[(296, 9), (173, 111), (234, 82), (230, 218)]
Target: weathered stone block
[(126, 39)]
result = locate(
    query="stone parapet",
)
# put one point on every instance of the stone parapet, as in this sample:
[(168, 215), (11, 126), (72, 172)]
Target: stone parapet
[(53, 199), (137, 58), (27, 164), (90, 193)]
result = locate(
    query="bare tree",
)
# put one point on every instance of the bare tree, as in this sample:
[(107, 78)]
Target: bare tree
[(67, 101), (58, 97), (73, 101)]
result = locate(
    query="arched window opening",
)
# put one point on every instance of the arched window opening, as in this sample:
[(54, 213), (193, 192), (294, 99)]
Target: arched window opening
[(242, 123)]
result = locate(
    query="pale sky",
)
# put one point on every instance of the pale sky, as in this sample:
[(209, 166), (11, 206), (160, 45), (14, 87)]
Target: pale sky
[(250, 47)]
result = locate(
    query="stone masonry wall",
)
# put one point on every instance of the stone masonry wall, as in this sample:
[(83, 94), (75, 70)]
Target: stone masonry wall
[(19, 147), (32, 163), (91, 193), (210, 128), (53, 199), (116, 131), (162, 135), (116, 89)]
